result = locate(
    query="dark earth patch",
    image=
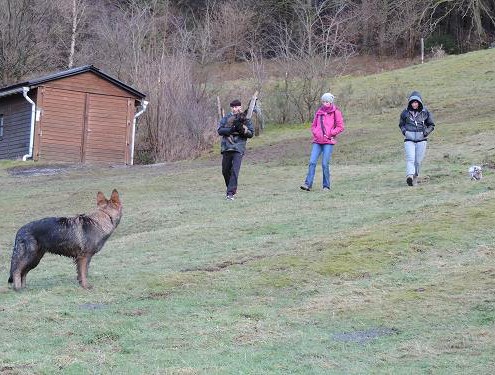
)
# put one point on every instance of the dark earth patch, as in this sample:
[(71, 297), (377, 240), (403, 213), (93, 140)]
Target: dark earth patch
[(42, 170), (14, 370), (223, 265), (92, 306), (364, 337)]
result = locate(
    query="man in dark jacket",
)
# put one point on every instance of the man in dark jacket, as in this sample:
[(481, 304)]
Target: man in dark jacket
[(235, 129), (415, 123)]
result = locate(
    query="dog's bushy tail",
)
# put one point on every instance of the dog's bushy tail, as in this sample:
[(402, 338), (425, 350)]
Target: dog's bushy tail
[(11, 279), (11, 276)]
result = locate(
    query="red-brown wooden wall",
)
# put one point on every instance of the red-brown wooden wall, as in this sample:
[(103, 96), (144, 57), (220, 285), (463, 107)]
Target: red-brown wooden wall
[(84, 118)]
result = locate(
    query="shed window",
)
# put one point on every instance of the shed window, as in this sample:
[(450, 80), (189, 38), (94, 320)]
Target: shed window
[(1, 126)]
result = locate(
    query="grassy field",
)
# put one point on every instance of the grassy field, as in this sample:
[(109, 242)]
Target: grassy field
[(372, 277)]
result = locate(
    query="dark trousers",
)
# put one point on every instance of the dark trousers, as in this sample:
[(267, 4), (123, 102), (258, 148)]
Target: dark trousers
[(231, 164)]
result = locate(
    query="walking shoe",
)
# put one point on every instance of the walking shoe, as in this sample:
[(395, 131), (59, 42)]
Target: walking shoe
[(409, 179), (326, 188), (230, 197), (305, 187)]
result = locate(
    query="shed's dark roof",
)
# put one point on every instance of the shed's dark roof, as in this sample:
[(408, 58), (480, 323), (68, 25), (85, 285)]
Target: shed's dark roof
[(68, 73)]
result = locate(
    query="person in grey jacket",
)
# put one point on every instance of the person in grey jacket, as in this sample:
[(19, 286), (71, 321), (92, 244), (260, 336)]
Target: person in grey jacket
[(416, 123), (235, 129)]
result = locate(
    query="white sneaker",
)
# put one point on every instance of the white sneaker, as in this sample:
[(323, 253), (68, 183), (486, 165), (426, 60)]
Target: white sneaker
[(230, 197)]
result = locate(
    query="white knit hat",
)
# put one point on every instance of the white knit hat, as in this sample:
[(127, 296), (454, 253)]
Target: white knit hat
[(327, 97)]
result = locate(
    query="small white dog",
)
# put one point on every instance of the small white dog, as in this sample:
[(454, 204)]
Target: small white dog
[(476, 172)]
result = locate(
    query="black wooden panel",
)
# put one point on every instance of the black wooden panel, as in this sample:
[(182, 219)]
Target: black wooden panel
[(17, 126)]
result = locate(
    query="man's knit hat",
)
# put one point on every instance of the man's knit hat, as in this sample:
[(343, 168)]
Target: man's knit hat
[(327, 97), (235, 103)]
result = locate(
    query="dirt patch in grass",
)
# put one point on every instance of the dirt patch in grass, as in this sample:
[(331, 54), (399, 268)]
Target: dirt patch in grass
[(365, 336), (223, 265), (13, 370), (92, 306), (42, 170), (158, 295), (135, 312)]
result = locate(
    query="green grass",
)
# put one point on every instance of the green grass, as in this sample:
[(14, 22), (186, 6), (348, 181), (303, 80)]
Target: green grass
[(373, 277)]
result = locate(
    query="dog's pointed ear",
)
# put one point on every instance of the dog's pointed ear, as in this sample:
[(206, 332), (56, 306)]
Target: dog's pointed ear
[(115, 198), (100, 199)]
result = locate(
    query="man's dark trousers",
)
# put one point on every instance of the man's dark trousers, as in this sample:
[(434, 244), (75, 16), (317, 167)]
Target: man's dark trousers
[(231, 164)]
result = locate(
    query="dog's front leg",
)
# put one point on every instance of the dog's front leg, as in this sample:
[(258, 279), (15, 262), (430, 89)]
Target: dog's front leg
[(23, 280), (82, 271), (87, 265), (18, 280)]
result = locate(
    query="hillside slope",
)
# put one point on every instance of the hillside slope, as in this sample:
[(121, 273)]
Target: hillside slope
[(458, 90), (372, 277)]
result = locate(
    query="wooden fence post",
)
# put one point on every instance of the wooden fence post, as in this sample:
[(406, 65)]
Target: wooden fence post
[(219, 109), (249, 114)]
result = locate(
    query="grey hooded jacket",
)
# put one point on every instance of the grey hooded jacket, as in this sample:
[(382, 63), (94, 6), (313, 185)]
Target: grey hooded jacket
[(416, 125)]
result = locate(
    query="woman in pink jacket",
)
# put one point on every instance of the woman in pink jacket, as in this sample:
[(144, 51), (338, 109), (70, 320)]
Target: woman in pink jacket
[(328, 122)]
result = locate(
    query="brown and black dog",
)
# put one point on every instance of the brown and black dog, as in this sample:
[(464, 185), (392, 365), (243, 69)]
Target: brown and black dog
[(78, 237)]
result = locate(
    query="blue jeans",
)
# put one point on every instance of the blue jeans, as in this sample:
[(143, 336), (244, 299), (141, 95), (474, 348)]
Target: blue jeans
[(316, 150)]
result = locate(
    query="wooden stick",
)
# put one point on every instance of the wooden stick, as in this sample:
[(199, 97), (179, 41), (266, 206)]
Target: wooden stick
[(219, 108), (252, 103)]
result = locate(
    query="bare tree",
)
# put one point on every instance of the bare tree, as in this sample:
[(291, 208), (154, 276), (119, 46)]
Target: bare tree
[(204, 34), (232, 25), (310, 51), (126, 34), (151, 48), (77, 14), (478, 15), (181, 121), (66, 29), (22, 49), (387, 27)]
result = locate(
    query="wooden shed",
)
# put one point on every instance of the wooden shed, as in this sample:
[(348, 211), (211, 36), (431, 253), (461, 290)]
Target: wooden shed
[(81, 115)]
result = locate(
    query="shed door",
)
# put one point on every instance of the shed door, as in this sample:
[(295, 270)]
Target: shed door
[(61, 132), (107, 127)]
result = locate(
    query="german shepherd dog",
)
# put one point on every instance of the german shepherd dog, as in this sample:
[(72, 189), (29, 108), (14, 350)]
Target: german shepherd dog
[(78, 237)]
